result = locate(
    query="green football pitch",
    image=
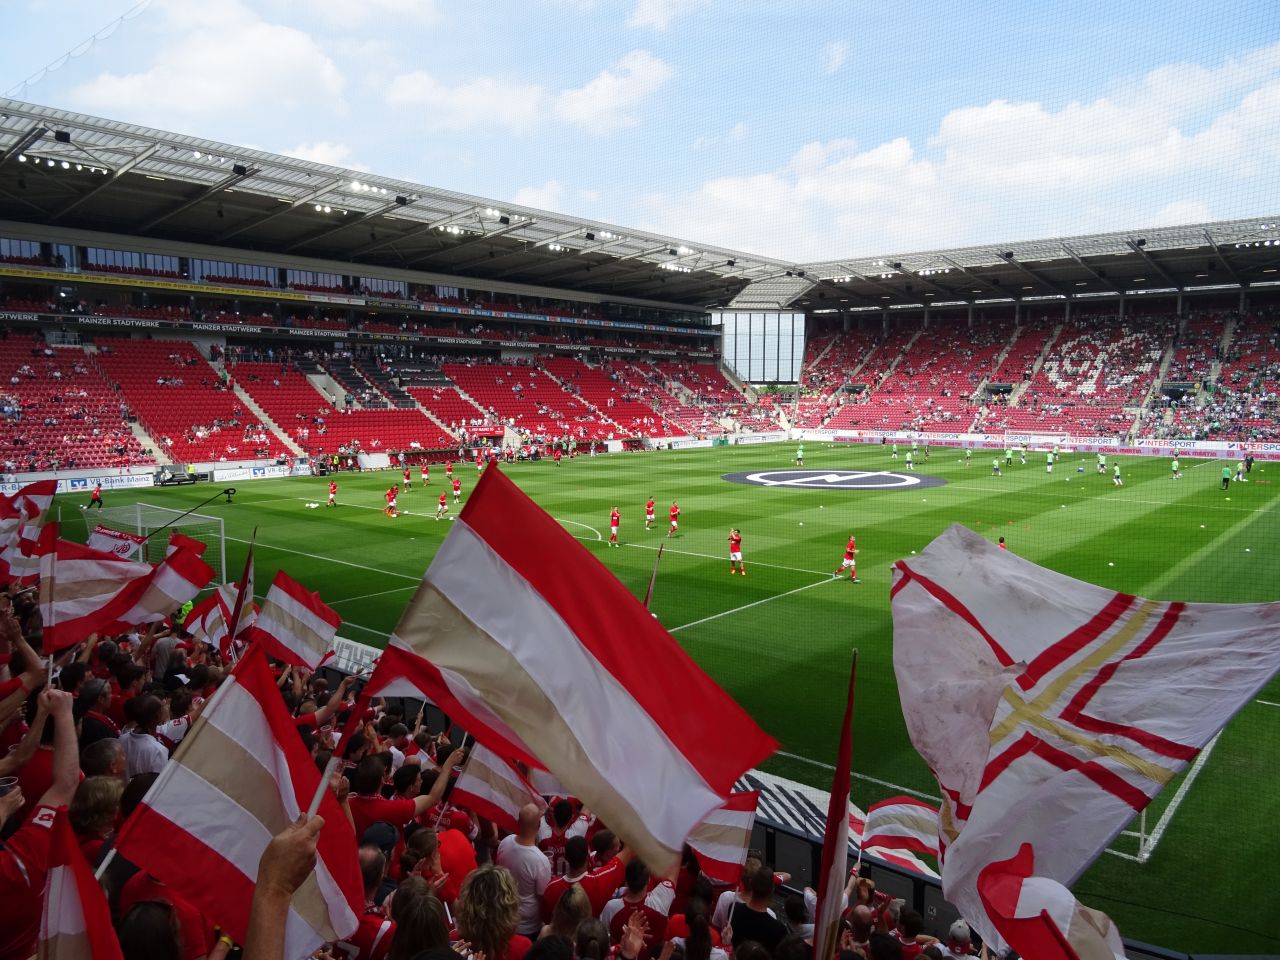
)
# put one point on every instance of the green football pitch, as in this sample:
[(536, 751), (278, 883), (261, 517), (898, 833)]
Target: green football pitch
[(1202, 874)]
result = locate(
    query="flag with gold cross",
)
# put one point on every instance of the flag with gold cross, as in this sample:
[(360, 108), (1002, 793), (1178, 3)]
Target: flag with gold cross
[(1051, 710)]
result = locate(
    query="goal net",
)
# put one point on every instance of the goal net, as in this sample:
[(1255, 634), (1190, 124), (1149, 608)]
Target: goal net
[(143, 519)]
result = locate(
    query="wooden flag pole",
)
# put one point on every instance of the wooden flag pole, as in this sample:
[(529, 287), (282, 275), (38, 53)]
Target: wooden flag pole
[(653, 577)]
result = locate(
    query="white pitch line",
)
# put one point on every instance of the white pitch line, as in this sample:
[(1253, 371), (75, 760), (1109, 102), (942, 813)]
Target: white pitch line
[(748, 606), (1149, 848), (860, 776), (1267, 703), (1124, 856), (368, 596), (575, 523), (717, 556), (345, 563)]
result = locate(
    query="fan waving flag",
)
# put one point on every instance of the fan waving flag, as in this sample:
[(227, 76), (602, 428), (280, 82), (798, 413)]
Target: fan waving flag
[(22, 516), (84, 591), (528, 640), (1051, 710), (239, 777), (835, 840), (1040, 918), (294, 625), (117, 542), (720, 842), (902, 823), (493, 788), (76, 922), (180, 541)]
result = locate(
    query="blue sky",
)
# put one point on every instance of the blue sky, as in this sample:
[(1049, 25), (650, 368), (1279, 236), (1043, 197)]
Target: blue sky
[(800, 129)]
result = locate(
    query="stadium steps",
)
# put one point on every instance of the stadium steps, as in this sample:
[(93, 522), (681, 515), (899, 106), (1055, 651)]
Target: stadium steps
[(604, 418), (149, 443), (893, 364), (1000, 358), (432, 417), (1016, 395), (261, 414)]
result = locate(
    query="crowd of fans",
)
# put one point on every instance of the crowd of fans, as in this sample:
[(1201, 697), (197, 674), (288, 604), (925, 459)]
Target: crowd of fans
[(439, 879)]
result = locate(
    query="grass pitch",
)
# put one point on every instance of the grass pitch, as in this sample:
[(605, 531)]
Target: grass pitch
[(779, 639)]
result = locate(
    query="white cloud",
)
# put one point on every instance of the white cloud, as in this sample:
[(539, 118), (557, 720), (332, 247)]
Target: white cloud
[(1011, 170), (549, 196), (482, 101), (734, 134), (658, 14), (217, 58), (323, 151), (344, 13), (608, 101), (834, 55)]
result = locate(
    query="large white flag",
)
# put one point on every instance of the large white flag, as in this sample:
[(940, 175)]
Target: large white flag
[(1051, 710), (493, 788)]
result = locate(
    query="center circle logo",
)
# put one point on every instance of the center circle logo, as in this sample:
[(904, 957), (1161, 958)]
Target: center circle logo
[(836, 479)]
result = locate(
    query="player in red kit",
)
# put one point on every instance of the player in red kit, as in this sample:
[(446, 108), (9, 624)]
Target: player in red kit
[(457, 490), (95, 498), (675, 517), (442, 507), (850, 549), (613, 527), (391, 502), (648, 514), (556, 456), (448, 470), (333, 494), (735, 552), (426, 475), (408, 478)]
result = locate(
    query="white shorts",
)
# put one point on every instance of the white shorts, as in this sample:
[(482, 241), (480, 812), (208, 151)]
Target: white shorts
[(735, 555), (614, 531), (332, 497), (391, 505), (846, 562), (648, 518), (674, 524)]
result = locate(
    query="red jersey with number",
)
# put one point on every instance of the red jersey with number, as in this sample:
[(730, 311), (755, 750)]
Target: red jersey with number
[(333, 489), (407, 477), (372, 939), (448, 469), (735, 543), (391, 496), (849, 548), (675, 514), (425, 473), (613, 518), (97, 492), (648, 508), (443, 501), (457, 486)]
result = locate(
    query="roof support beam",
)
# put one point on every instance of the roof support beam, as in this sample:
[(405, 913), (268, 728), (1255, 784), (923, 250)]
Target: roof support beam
[(204, 194), (24, 142), (1106, 281), (969, 274), (344, 225), (106, 181), (1140, 250), (1217, 251), (1045, 281), (311, 197)]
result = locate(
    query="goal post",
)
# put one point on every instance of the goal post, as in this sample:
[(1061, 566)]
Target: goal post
[(144, 519)]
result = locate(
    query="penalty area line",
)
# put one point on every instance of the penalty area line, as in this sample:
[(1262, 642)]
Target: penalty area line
[(716, 556), (575, 523), (369, 596), (1148, 848), (748, 606)]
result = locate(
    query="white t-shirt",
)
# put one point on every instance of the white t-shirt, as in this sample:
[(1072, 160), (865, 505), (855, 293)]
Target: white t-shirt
[(720, 916), (532, 872), (143, 753)]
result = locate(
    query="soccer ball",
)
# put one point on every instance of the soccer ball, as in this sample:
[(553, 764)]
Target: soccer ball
[(802, 523), (312, 506)]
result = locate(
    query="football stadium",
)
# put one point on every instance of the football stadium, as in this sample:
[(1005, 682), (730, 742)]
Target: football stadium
[(405, 556)]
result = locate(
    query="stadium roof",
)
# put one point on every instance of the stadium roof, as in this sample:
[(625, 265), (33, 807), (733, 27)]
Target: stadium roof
[(77, 171)]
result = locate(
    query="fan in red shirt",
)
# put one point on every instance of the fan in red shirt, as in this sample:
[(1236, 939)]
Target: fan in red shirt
[(554, 836), (369, 807), (735, 552), (443, 506), (849, 563), (598, 884), (333, 494), (614, 517), (655, 905), (675, 517), (457, 491), (648, 513), (390, 510)]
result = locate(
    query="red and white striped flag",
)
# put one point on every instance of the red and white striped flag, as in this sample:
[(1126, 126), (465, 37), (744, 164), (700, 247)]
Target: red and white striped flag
[(528, 640), (493, 788), (119, 543), (76, 921), (900, 858), (239, 777), (294, 625), (181, 541), (1041, 918), (205, 621), (22, 515), (721, 840), (835, 841), (84, 591), (1051, 710), (902, 823)]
